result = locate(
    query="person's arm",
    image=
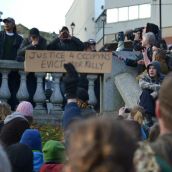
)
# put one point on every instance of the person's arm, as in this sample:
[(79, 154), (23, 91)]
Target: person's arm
[(144, 84), (24, 46), (78, 42), (145, 57)]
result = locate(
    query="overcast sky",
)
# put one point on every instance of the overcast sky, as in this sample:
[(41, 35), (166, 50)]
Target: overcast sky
[(47, 15)]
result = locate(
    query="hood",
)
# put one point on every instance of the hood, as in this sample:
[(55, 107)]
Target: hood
[(32, 138), (37, 161), (14, 115), (157, 66)]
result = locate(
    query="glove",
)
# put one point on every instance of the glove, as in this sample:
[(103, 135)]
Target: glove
[(70, 81)]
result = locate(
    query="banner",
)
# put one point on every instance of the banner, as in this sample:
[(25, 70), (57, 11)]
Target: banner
[(53, 61)]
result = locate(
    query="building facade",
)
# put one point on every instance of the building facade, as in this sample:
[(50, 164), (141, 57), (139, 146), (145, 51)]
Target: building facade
[(89, 17)]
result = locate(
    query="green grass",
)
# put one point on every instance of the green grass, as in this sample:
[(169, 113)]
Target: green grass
[(49, 132)]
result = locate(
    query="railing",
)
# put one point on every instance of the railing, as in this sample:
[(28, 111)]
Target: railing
[(114, 89), (39, 97)]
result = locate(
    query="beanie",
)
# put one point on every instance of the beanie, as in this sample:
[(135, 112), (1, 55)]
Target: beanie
[(34, 32), (54, 151), (32, 138), (21, 158), (25, 108)]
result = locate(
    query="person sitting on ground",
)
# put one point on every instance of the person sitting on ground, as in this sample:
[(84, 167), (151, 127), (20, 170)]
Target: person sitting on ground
[(13, 128), (156, 156), (54, 156), (21, 158), (5, 110), (150, 85), (100, 144), (26, 109), (32, 138)]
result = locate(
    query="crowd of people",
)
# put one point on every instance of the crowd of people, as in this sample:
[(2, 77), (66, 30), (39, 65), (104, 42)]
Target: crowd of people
[(138, 139)]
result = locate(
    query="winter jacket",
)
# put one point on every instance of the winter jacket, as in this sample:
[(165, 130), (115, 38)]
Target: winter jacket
[(13, 129), (51, 167), (37, 161), (16, 44), (73, 44), (27, 45)]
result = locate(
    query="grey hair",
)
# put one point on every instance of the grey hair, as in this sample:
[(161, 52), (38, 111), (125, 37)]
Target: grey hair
[(5, 165), (150, 38)]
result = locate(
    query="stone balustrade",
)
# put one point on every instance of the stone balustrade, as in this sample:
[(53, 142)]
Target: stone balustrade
[(39, 97)]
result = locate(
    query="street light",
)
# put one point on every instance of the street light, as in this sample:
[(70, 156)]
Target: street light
[(72, 27), (103, 18)]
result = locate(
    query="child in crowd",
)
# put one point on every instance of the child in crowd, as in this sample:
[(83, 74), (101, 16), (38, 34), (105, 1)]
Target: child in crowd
[(32, 138), (54, 156), (26, 109), (13, 128)]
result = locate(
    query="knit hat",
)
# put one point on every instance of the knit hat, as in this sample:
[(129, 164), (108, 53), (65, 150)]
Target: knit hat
[(71, 113), (32, 138), (21, 158), (34, 32), (54, 151), (82, 94), (25, 108)]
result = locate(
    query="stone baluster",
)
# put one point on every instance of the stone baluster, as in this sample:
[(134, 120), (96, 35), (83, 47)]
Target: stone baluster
[(92, 97), (22, 93), (56, 97), (39, 97), (4, 90)]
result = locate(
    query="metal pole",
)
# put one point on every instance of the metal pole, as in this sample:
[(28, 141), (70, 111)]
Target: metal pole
[(160, 17), (72, 31), (103, 32)]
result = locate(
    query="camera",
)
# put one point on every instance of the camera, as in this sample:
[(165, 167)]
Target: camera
[(130, 34), (120, 36)]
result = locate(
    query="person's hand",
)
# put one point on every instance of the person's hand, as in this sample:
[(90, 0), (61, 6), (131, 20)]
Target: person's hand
[(34, 40), (137, 36), (70, 81)]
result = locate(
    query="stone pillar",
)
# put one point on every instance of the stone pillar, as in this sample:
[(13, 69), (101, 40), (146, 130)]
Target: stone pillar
[(39, 97), (4, 90), (22, 93), (91, 93), (56, 97)]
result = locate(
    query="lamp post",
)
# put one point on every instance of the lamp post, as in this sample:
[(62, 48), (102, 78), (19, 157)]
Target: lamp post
[(160, 17), (72, 25), (103, 18)]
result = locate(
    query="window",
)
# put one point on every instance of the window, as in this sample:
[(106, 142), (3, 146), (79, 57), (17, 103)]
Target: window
[(112, 15), (133, 12), (144, 11), (123, 14)]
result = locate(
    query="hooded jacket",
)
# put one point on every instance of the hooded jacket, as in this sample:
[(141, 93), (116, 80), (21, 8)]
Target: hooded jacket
[(14, 126), (146, 82)]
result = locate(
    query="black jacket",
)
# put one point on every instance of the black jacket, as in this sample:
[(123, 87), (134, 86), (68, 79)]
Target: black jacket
[(27, 45), (16, 44), (73, 44)]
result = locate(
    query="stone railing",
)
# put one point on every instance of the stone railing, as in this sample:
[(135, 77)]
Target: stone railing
[(116, 89), (39, 98)]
